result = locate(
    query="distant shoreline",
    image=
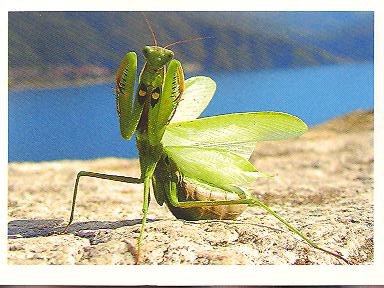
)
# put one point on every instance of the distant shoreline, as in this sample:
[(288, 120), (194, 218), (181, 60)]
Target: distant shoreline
[(44, 83), (61, 84), (34, 78)]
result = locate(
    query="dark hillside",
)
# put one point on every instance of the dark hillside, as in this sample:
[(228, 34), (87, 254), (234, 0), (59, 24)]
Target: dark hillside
[(43, 42)]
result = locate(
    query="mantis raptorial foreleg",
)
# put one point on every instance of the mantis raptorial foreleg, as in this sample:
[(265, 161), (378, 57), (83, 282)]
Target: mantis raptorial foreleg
[(129, 115), (100, 176)]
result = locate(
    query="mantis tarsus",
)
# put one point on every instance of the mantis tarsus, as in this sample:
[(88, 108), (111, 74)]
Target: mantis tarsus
[(190, 164)]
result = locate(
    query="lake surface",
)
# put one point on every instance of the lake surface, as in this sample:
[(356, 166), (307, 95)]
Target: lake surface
[(81, 123)]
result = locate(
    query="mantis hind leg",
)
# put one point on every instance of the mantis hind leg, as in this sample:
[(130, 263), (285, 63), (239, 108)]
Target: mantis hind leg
[(173, 199), (100, 176)]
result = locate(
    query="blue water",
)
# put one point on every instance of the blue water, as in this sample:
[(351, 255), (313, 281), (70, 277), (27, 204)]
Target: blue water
[(81, 123)]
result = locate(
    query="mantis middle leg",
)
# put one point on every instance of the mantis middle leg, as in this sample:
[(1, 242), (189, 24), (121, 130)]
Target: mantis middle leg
[(100, 176)]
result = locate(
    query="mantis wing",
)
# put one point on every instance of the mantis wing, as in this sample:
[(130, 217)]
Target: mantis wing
[(195, 98), (237, 133), (219, 168)]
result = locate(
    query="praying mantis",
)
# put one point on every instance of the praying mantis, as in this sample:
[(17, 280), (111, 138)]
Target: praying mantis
[(198, 167)]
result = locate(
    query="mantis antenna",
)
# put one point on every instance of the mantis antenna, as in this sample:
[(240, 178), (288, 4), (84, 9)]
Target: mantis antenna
[(187, 40), (150, 28), (174, 43)]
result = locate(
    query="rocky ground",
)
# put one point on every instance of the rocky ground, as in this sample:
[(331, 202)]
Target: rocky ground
[(323, 185)]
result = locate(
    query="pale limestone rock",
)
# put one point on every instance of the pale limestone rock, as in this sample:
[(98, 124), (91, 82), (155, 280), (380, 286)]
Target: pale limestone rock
[(323, 185)]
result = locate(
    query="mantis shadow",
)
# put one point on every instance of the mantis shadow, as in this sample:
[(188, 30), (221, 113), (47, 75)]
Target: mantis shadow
[(46, 227)]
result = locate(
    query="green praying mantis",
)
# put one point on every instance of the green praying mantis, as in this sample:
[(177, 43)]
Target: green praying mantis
[(198, 167)]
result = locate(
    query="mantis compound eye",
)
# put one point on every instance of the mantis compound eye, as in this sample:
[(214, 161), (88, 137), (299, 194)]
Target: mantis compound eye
[(146, 51)]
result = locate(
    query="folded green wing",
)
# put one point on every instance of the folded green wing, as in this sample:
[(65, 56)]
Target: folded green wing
[(216, 167), (237, 133), (198, 93)]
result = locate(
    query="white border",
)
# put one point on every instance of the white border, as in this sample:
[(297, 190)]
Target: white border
[(379, 138), (199, 275), (196, 5)]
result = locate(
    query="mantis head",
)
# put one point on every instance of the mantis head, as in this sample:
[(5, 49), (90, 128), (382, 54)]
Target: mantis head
[(157, 56)]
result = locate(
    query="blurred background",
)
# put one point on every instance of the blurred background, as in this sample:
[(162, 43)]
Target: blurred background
[(315, 65)]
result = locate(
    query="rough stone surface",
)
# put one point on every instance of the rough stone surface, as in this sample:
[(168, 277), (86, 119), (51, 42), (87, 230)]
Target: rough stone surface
[(323, 185)]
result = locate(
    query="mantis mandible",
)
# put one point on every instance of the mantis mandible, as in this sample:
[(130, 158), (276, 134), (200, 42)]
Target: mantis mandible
[(190, 164)]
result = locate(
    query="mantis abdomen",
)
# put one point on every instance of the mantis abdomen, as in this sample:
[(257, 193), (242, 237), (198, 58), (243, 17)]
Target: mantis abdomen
[(173, 188), (188, 190)]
